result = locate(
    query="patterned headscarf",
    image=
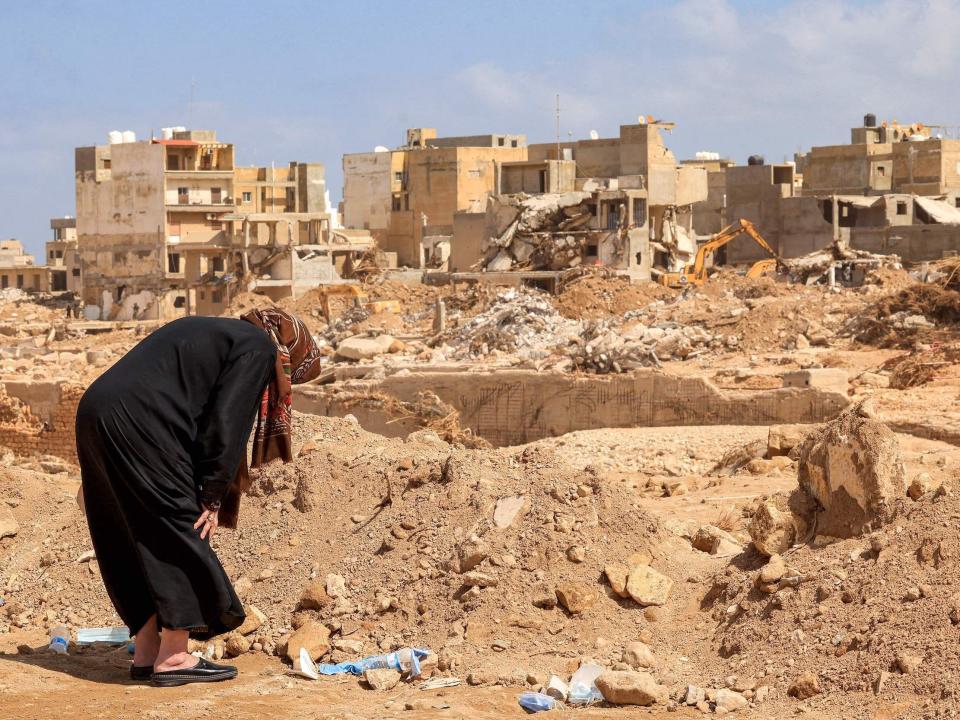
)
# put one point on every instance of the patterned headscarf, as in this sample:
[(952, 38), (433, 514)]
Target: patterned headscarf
[(298, 361)]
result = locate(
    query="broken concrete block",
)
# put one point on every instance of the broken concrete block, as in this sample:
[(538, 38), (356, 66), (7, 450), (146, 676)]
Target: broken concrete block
[(647, 586), (833, 379), (622, 687), (363, 348), (772, 529), (507, 510), (852, 468)]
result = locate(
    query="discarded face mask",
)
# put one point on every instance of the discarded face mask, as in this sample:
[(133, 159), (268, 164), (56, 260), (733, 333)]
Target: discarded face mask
[(108, 635), (536, 702)]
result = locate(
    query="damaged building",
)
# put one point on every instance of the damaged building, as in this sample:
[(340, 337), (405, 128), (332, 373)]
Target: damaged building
[(892, 190), (407, 197), (623, 203), (173, 226), (63, 260)]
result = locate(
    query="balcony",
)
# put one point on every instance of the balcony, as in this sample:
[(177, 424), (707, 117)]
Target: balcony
[(201, 207), (189, 174)]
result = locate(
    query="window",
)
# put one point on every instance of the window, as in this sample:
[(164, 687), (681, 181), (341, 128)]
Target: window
[(216, 196), (248, 197), (216, 296), (76, 272), (59, 254), (398, 176), (396, 202), (173, 262), (52, 255), (5, 282), (19, 281), (956, 201), (901, 207), (881, 171), (180, 301), (639, 211), (500, 142), (173, 162), (216, 263), (183, 195), (513, 143), (36, 282)]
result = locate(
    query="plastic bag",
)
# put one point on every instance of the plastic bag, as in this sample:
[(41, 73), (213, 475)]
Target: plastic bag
[(583, 685)]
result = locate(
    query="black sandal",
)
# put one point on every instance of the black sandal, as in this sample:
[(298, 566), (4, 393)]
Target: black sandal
[(141, 672), (203, 671)]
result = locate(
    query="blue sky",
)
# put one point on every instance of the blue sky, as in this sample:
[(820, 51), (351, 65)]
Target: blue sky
[(310, 81)]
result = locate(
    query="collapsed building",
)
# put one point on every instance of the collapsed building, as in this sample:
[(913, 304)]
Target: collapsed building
[(623, 203), (173, 226)]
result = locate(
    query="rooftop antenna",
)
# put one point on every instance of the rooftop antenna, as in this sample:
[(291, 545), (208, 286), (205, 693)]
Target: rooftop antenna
[(193, 85), (558, 126)]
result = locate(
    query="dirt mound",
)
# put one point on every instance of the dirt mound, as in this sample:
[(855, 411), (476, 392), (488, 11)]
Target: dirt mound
[(874, 615), (598, 295)]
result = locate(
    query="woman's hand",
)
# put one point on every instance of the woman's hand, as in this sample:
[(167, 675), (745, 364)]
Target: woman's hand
[(207, 523)]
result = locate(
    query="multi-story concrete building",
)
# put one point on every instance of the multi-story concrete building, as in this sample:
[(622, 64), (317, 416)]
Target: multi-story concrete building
[(19, 269), (410, 194), (174, 226), (62, 257)]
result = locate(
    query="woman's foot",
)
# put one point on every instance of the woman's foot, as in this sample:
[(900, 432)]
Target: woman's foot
[(177, 661), (146, 645)]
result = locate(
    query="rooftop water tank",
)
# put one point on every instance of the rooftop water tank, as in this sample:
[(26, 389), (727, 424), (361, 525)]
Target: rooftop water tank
[(755, 160), (129, 136), (114, 137), (166, 133), (869, 120)]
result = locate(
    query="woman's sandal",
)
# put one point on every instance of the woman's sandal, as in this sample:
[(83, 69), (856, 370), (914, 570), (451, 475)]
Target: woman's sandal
[(203, 671)]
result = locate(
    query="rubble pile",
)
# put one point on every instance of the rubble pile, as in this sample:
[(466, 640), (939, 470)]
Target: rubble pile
[(846, 265)]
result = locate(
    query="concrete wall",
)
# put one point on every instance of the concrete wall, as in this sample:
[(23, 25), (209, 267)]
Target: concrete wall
[(470, 232), (753, 195), (31, 278), (367, 190), (512, 407)]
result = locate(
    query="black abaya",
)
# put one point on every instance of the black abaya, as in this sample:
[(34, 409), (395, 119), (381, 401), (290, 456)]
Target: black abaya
[(159, 433)]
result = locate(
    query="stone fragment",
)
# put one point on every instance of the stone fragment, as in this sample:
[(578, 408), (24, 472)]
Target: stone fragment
[(852, 468), (805, 686), (472, 553), (236, 644), (638, 655), (781, 439), (576, 553), (622, 687), (476, 578), (507, 510), (908, 662), (617, 577), (313, 636), (8, 523), (694, 695), (920, 486), (713, 540), (363, 348), (576, 597), (729, 700), (647, 586), (336, 586), (254, 619), (381, 679), (772, 529), (314, 596), (544, 596), (773, 571)]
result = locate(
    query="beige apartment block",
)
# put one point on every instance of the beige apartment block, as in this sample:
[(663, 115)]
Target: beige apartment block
[(173, 226), (63, 260), (407, 194), (18, 269)]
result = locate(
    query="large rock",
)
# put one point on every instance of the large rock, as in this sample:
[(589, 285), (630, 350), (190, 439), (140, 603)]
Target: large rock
[(617, 575), (8, 523), (381, 679), (314, 596), (647, 586), (713, 540), (576, 597), (779, 523), (805, 686), (729, 700), (313, 636), (781, 439), (363, 348), (851, 467), (255, 618), (622, 687), (638, 655)]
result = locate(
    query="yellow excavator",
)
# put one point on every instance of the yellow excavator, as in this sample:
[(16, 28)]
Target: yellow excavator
[(696, 274), (359, 297)]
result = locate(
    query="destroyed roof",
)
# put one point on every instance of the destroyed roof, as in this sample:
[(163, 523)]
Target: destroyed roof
[(939, 211)]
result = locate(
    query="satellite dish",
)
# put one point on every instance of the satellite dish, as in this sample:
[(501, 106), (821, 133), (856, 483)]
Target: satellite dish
[(594, 135), (381, 148)]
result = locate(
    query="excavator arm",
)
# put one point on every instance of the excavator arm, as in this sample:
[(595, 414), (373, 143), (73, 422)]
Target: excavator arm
[(696, 273)]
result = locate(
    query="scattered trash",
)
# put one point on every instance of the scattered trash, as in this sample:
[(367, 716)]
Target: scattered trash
[(405, 661), (583, 685), (439, 682), (557, 689), (108, 635), (59, 640), (536, 702), (308, 668)]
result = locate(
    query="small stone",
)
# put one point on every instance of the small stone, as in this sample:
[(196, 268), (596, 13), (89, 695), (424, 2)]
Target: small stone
[(630, 688), (472, 553), (729, 700), (694, 695), (805, 686), (576, 597), (479, 579), (480, 676), (576, 553), (881, 682), (920, 486), (638, 655), (381, 679), (314, 596), (313, 636), (253, 621), (908, 662), (647, 586), (507, 510), (774, 570), (336, 586), (912, 595), (617, 577), (236, 644), (544, 596)]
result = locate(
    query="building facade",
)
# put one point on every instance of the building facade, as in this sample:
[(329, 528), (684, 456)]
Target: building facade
[(62, 257), (19, 270)]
